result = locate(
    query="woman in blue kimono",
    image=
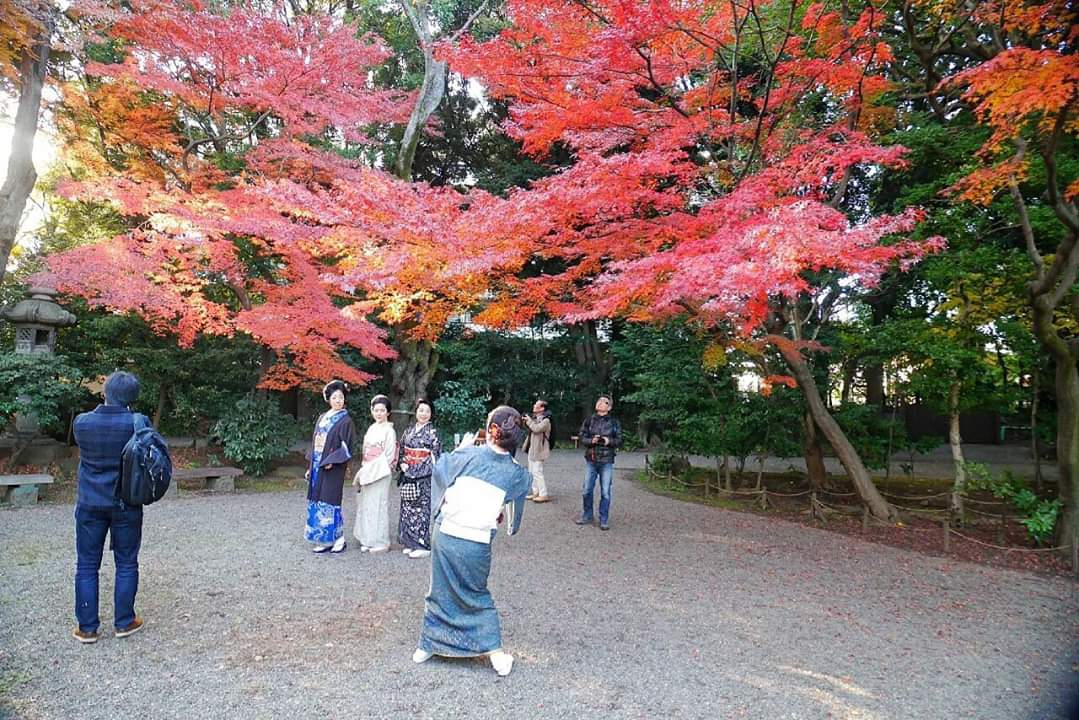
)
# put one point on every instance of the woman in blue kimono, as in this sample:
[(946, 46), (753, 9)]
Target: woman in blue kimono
[(331, 449), (472, 489)]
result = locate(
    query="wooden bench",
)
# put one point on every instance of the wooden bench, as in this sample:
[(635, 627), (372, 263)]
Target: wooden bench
[(22, 489), (218, 479), (576, 441)]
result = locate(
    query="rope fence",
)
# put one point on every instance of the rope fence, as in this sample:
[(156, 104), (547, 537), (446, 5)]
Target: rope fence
[(818, 506)]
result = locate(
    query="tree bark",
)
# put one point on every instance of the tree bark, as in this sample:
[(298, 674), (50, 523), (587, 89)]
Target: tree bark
[(21, 175), (847, 455), (814, 453), (955, 441), (874, 385), (1067, 387), (594, 361), (162, 398), (850, 367), (1052, 286), (1035, 382), (410, 374), (431, 90)]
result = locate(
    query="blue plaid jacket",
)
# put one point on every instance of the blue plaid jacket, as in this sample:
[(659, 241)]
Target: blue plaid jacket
[(101, 436)]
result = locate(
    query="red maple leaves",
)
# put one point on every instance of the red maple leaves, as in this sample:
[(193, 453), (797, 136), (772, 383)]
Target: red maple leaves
[(702, 183)]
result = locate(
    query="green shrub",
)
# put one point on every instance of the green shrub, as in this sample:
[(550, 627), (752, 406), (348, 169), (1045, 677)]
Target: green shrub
[(255, 433), (44, 386), (458, 410), (1039, 515)]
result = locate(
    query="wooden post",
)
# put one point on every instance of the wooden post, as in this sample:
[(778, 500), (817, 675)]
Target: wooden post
[(1003, 525), (865, 517), (946, 526), (764, 499), (813, 505)]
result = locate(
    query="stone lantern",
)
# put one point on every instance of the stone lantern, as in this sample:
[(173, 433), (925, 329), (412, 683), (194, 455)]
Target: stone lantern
[(36, 320)]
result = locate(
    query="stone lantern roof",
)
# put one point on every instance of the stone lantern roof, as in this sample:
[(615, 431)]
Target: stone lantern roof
[(38, 309)]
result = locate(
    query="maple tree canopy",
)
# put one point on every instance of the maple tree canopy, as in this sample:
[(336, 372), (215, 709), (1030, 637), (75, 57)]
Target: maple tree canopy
[(701, 180), (261, 249)]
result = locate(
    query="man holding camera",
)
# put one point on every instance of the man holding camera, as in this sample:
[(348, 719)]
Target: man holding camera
[(601, 435), (538, 447)]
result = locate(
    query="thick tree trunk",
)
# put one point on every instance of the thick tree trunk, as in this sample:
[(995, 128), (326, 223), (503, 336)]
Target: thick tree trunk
[(955, 441), (1052, 287), (162, 399), (874, 385), (850, 368), (881, 304), (21, 175), (410, 374), (1039, 480), (845, 452), (594, 361), (1067, 387), (814, 453)]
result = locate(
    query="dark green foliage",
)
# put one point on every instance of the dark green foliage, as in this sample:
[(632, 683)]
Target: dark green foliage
[(188, 387), (696, 409), (46, 386), (255, 433), (457, 410), (485, 369), (876, 434)]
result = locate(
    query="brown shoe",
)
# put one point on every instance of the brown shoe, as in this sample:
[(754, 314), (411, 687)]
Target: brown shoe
[(542, 498), (131, 629), (84, 637)]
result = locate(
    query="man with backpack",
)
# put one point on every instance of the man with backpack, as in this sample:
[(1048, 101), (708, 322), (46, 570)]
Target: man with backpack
[(102, 436)]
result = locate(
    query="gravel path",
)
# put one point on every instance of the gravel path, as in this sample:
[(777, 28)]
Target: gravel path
[(680, 611)]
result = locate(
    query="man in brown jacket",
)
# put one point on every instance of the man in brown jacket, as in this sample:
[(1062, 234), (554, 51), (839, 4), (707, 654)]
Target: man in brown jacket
[(538, 446)]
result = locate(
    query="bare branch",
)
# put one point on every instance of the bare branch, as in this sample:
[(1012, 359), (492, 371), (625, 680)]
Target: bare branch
[(468, 23)]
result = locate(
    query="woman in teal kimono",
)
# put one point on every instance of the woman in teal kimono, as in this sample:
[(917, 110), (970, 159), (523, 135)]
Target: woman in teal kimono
[(331, 449), (472, 490)]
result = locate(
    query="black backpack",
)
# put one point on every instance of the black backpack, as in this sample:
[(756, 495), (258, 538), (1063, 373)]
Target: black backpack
[(146, 470)]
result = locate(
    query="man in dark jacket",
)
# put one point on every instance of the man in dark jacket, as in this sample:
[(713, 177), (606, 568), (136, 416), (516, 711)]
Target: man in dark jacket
[(601, 435), (101, 436)]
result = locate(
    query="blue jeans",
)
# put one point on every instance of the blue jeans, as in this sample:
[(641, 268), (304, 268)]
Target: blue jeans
[(124, 523), (605, 473)]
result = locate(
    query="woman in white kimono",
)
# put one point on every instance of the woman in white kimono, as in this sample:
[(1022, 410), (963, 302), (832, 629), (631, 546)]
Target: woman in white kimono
[(373, 480), (472, 490)]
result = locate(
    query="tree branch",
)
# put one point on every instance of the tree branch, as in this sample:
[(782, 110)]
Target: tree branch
[(468, 23)]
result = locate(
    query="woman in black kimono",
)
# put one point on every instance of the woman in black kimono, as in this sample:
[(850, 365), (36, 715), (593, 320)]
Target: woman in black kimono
[(418, 450)]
